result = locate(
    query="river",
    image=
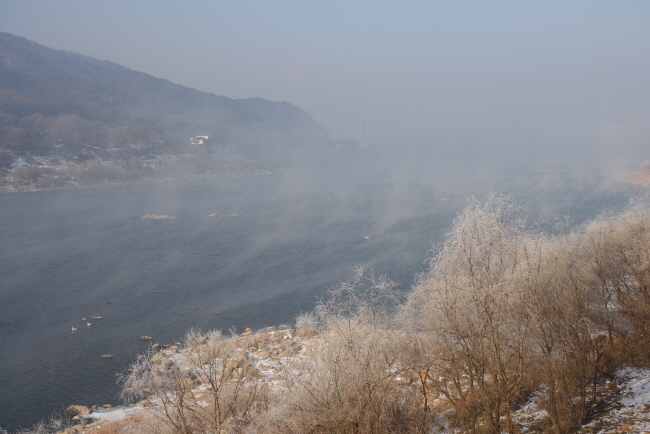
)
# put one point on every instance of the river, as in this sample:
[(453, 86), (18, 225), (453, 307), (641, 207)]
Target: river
[(278, 242)]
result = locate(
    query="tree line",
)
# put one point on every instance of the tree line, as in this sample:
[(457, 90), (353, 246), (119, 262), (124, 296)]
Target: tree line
[(70, 134)]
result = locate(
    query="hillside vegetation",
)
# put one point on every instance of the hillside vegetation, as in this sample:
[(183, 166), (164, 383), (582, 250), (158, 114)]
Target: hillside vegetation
[(510, 329), (74, 108)]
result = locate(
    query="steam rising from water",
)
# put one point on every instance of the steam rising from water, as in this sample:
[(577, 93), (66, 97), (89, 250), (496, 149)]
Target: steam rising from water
[(88, 252)]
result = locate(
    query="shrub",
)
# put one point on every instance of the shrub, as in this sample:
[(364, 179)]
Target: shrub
[(201, 386), (55, 424), (350, 384), (617, 248), (504, 310)]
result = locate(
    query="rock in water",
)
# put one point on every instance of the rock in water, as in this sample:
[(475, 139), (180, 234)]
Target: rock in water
[(158, 217), (76, 410)]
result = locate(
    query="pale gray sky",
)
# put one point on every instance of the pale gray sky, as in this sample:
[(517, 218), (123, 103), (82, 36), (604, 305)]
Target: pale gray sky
[(394, 72)]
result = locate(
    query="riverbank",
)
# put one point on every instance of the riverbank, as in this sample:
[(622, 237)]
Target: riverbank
[(266, 359), (55, 173), (266, 367)]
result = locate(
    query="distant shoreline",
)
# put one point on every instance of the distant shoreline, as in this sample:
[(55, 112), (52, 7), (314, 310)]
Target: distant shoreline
[(9, 189)]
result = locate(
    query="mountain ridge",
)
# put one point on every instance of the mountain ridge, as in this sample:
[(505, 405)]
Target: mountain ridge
[(63, 111), (35, 79)]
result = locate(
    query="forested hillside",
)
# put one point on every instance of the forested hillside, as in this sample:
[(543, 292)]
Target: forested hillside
[(74, 107)]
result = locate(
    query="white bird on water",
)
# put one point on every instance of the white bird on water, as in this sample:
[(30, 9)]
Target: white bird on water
[(89, 323), (73, 329)]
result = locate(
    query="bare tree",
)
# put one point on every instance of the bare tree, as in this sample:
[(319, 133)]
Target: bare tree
[(619, 256), (467, 304), (203, 387), (350, 383)]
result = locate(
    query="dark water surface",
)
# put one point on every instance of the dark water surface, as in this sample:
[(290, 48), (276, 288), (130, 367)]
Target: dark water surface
[(70, 254)]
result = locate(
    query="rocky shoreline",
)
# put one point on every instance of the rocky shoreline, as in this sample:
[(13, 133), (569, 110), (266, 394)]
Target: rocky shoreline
[(266, 355), (275, 357)]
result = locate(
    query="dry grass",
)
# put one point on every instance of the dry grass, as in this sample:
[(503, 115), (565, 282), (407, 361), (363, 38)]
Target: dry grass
[(129, 425)]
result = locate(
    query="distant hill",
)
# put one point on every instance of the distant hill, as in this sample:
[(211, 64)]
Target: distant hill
[(58, 102)]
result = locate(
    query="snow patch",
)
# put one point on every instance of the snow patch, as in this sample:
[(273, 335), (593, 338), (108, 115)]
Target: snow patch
[(631, 411)]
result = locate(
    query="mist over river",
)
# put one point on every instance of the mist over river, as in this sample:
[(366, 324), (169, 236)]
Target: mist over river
[(279, 242)]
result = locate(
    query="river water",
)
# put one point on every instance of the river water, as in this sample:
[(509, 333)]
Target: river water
[(279, 242)]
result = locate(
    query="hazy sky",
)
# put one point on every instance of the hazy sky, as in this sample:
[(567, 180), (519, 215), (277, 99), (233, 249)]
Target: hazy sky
[(388, 72)]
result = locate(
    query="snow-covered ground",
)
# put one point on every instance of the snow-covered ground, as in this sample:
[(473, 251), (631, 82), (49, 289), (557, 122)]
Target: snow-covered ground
[(112, 414), (630, 412)]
